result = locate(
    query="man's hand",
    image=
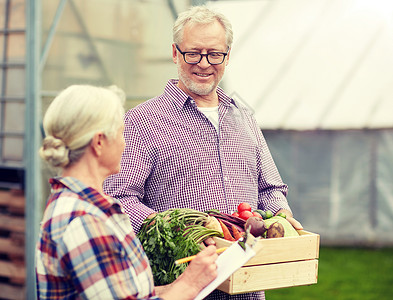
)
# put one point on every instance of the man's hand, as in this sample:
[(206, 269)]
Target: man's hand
[(295, 223)]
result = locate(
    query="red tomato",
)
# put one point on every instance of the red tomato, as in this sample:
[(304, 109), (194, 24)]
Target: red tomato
[(256, 214), (243, 207), (245, 214), (235, 214)]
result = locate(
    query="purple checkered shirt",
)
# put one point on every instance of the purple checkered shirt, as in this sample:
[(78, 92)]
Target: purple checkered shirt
[(175, 158)]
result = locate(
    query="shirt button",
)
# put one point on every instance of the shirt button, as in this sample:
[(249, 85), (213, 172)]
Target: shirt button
[(225, 178)]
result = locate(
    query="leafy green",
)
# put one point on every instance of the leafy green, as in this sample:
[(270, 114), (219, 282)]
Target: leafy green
[(171, 235)]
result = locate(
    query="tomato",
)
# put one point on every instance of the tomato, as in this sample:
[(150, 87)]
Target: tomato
[(235, 214), (243, 207), (245, 214), (256, 214), (261, 212)]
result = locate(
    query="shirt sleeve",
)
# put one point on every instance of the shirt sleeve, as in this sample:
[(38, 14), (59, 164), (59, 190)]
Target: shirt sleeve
[(99, 266), (272, 191), (128, 185)]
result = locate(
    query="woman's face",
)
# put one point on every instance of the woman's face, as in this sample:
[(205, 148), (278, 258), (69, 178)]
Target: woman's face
[(114, 150)]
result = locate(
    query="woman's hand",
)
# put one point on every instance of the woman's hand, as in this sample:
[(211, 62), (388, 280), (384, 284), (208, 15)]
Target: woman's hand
[(207, 242)]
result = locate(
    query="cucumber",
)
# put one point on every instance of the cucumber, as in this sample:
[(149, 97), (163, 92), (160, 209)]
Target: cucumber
[(261, 212)]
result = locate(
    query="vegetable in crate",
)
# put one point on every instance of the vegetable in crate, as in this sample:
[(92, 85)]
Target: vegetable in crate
[(213, 223), (236, 233), (243, 207), (275, 230), (288, 228), (230, 222), (261, 212), (226, 233), (171, 235), (244, 210), (257, 226)]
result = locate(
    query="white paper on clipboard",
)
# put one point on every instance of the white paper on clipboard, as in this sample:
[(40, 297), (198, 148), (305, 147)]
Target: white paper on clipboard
[(227, 262)]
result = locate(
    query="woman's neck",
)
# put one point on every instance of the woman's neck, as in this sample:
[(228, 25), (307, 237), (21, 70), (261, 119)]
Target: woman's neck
[(86, 173)]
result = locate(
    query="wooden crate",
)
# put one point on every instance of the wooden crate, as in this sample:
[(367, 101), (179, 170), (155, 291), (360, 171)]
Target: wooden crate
[(12, 244), (279, 263)]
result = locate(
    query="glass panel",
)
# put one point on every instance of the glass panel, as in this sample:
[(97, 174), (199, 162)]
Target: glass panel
[(14, 120), (15, 82), (127, 43), (17, 15), (13, 149), (45, 103), (2, 13), (16, 51)]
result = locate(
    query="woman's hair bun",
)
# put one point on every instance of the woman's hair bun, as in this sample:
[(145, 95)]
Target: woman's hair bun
[(55, 152)]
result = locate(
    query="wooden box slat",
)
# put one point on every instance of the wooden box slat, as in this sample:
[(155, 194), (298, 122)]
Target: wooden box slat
[(13, 292), (16, 272), (12, 244), (11, 247), (271, 276), (278, 263), (13, 200), (305, 246), (12, 223)]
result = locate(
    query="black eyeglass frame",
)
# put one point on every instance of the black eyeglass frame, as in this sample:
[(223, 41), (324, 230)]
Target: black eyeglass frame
[(201, 56)]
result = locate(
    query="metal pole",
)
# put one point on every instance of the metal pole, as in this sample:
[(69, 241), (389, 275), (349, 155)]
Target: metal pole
[(374, 137), (51, 35), (33, 186)]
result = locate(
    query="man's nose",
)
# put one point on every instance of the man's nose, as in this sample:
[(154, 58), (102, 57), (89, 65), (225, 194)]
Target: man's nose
[(204, 63)]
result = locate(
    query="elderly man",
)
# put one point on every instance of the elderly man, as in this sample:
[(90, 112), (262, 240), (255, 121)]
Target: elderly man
[(194, 146)]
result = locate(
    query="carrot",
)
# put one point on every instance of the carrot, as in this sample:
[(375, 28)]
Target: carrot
[(236, 234), (225, 231)]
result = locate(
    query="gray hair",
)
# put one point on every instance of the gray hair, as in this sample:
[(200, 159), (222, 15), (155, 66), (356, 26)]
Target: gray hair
[(201, 15), (73, 118)]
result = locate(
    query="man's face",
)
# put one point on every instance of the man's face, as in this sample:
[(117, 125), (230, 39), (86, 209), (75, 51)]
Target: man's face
[(201, 79)]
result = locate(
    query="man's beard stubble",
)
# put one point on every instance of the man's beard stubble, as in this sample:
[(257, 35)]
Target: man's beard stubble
[(196, 88)]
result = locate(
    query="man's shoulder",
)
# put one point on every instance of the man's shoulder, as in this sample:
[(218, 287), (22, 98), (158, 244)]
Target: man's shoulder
[(234, 99), (150, 106), (243, 107), (171, 96)]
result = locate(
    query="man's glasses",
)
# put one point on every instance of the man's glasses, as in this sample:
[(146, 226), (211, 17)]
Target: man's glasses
[(193, 58)]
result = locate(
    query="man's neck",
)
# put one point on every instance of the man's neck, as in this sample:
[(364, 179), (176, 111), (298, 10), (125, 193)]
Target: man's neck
[(206, 101), (209, 100)]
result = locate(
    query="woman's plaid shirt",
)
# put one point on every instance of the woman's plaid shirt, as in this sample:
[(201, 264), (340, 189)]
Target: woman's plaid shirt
[(87, 248)]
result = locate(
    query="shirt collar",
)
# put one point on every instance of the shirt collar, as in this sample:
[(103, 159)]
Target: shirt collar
[(180, 97), (89, 194)]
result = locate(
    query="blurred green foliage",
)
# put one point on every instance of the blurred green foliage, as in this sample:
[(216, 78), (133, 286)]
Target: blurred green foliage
[(346, 274)]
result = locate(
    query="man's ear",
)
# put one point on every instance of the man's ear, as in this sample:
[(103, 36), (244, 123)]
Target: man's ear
[(227, 58), (174, 53)]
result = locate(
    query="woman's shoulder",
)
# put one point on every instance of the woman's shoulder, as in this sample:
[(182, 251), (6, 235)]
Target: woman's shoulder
[(65, 209)]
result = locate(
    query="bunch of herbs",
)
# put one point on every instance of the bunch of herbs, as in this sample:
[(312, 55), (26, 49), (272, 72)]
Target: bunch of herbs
[(171, 235)]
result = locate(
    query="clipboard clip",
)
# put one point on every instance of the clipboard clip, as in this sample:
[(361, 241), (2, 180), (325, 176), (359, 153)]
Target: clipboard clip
[(248, 239)]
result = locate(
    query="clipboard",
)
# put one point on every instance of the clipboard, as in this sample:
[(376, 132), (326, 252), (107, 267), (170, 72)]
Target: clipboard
[(228, 262)]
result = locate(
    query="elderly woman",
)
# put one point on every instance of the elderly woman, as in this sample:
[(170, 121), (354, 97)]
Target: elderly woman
[(87, 247)]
